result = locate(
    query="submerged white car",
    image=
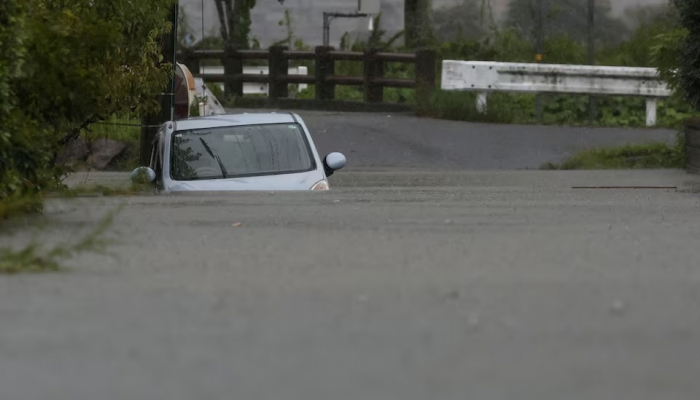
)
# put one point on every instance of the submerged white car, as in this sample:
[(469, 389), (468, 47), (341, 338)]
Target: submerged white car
[(241, 152)]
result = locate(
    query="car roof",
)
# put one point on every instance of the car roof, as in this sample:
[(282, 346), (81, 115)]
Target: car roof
[(216, 121)]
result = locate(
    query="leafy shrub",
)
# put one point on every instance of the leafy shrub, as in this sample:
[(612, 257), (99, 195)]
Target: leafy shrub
[(689, 52), (68, 83)]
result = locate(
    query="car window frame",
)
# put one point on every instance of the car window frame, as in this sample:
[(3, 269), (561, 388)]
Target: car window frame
[(157, 153), (304, 135)]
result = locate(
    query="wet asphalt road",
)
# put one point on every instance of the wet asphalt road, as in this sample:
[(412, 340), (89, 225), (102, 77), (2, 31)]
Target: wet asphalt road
[(402, 141), (406, 285)]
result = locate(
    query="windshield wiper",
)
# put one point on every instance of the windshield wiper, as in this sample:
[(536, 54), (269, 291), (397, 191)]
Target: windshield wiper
[(215, 157)]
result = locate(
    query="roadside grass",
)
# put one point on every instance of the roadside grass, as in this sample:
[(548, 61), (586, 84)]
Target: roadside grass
[(35, 258), (637, 156), (124, 129), (461, 106), (570, 110), (20, 206)]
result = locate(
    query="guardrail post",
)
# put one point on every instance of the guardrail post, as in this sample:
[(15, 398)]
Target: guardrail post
[(482, 102), (426, 74), (373, 69), (324, 67), (279, 67), (652, 102), (233, 67)]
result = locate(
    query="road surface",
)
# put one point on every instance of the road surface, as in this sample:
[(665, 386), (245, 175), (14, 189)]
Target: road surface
[(396, 285), (371, 140)]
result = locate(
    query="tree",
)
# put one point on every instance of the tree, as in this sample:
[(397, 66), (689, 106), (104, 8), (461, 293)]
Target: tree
[(689, 51), (82, 61), (18, 157), (565, 18), (417, 23), (461, 21), (234, 21)]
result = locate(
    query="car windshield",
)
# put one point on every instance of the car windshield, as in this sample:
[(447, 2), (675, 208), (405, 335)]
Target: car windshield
[(250, 150)]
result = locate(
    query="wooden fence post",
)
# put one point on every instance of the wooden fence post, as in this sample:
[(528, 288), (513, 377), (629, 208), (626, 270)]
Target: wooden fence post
[(279, 67), (426, 74), (233, 67), (324, 67), (373, 69)]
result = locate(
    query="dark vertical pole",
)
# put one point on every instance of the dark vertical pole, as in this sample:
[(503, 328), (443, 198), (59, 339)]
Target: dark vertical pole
[(373, 69), (591, 57), (326, 29), (539, 56), (279, 68), (325, 67), (170, 56), (233, 68), (167, 98), (191, 61), (426, 74)]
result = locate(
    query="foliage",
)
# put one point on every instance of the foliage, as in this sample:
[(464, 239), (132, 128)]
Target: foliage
[(417, 23), (639, 50), (67, 82), (465, 20), (689, 54), (234, 21), (35, 259), (376, 38), (461, 106), (20, 175), (558, 110), (638, 156), (122, 129), (286, 22), (565, 17), (666, 56)]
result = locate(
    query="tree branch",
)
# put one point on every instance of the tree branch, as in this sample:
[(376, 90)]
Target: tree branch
[(75, 132)]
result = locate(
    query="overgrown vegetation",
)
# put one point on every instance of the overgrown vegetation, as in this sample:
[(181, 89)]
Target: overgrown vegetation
[(55, 83), (639, 156), (683, 61), (35, 258)]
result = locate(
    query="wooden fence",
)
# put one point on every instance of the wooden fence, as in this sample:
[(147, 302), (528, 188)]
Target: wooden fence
[(325, 78)]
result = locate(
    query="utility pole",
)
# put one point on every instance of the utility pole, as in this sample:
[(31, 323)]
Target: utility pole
[(149, 125), (591, 56), (539, 57)]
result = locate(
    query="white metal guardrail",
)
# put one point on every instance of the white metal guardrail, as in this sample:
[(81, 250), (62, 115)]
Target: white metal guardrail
[(484, 77), (255, 88)]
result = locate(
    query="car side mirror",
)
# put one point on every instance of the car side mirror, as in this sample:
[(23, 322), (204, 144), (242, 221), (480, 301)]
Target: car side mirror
[(333, 162), (143, 175)]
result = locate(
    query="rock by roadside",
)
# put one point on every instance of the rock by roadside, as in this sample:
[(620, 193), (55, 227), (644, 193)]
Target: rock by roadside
[(103, 151), (99, 154)]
